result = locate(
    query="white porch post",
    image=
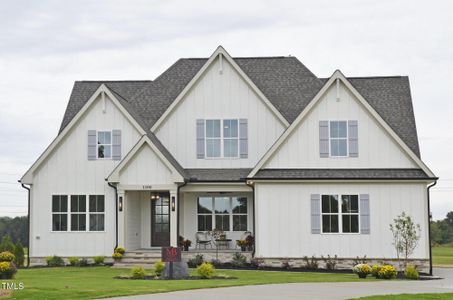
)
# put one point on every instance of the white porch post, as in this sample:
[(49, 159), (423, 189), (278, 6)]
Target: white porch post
[(121, 218), (174, 218)]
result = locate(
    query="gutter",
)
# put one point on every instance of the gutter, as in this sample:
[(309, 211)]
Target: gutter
[(254, 216), (429, 229), (28, 223), (116, 214)]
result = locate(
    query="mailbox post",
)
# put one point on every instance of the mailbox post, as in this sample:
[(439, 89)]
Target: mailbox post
[(171, 255)]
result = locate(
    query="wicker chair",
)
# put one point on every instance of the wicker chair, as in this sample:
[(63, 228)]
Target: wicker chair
[(202, 239)]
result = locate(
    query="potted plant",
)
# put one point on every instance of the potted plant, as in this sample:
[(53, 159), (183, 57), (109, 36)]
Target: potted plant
[(242, 244), (186, 244), (250, 242), (362, 270)]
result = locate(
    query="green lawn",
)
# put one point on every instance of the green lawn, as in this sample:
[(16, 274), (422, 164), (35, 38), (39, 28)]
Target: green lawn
[(411, 296), (443, 256), (98, 282)]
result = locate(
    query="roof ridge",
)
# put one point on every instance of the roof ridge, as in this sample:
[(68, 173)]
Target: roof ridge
[(111, 81), (242, 57), (370, 77)]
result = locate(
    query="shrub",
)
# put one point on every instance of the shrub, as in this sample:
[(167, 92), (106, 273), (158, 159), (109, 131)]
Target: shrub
[(120, 250), (98, 260), (54, 261), (205, 270), (20, 254), (73, 261), (7, 256), (310, 264), (138, 272), (362, 270), (331, 263), (6, 244), (411, 272), (387, 272), (159, 268), (196, 261), (239, 260), (216, 262), (358, 261), (117, 256), (83, 262), (375, 270), (7, 270)]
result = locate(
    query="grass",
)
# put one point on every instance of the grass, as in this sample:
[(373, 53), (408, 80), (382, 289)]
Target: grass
[(98, 282), (448, 296), (442, 256)]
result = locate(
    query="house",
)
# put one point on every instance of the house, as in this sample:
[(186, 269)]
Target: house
[(308, 165)]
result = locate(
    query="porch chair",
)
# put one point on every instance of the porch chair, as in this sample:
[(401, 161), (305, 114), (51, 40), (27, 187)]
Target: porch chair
[(202, 238)]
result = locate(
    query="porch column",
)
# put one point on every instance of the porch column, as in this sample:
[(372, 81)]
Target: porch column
[(174, 218), (121, 218)]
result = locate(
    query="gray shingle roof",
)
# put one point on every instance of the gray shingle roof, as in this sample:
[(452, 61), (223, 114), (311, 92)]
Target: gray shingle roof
[(219, 175), (341, 174), (285, 81)]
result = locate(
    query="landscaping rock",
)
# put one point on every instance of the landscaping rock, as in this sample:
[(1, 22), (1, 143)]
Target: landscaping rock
[(180, 270)]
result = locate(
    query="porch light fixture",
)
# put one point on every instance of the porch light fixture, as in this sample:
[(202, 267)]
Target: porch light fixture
[(154, 196), (173, 203), (120, 203)]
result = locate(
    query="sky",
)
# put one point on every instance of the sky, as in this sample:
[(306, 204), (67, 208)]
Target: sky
[(47, 45)]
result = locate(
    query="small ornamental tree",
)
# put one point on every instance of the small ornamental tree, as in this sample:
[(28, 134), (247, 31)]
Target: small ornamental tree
[(406, 235)]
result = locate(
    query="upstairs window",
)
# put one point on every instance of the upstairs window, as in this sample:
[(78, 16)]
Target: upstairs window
[(213, 138), (222, 138), (230, 138), (338, 138), (104, 144)]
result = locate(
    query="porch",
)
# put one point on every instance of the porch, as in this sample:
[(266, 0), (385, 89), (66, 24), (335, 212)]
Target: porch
[(152, 218)]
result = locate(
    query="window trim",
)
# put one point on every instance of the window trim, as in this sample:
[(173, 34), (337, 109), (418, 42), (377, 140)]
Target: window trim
[(340, 213), (346, 138), (97, 145), (230, 214), (68, 214), (222, 139)]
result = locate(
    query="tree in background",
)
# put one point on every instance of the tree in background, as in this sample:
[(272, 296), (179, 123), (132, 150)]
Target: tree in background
[(7, 244), (16, 228)]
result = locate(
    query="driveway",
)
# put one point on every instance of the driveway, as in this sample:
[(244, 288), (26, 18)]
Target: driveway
[(341, 290)]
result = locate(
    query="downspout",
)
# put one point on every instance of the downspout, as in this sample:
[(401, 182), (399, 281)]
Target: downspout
[(28, 224), (253, 209), (178, 194), (429, 229), (116, 214)]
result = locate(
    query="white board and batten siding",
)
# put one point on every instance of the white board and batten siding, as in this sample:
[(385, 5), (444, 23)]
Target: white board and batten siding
[(219, 96), (376, 149), (289, 207), (68, 171)]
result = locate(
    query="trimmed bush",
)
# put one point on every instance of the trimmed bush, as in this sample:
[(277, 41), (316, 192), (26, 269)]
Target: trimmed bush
[(83, 262), (73, 261), (117, 256), (205, 270), (120, 250), (196, 261), (375, 270), (362, 270), (54, 261), (239, 260), (20, 254), (99, 260), (6, 244), (411, 272), (387, 272), (138, 272), (159, 268), (7, 256), (7, 270)]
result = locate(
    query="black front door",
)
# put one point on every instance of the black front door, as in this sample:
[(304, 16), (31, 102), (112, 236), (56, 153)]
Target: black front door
[(160, 221)]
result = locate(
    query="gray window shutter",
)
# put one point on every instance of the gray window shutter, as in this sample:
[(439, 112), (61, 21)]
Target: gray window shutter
[(243, 138), (323, 138), (353, 134), (116, 144), (364, 214), (200, 138), (315, 214), (91, 144)]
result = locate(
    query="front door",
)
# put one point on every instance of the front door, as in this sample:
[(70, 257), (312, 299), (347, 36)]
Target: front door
[(160, 221)]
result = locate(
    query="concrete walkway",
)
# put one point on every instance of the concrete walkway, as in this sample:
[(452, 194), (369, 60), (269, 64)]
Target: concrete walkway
[(341, 290)]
